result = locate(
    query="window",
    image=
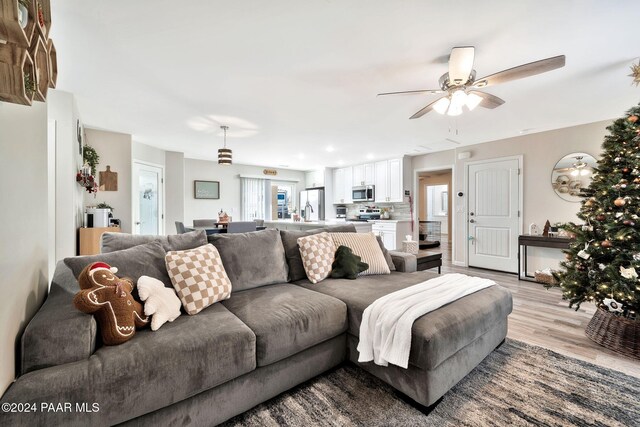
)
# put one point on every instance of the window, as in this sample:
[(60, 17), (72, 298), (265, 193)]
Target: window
[(253, 198)]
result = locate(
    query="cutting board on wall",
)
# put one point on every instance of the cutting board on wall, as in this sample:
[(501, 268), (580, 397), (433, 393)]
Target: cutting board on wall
[(108, 180)]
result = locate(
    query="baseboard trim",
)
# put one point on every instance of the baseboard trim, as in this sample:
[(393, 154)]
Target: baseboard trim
[(459, 263)]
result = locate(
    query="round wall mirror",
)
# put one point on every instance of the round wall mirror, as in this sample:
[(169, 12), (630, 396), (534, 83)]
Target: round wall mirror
[(572, 173)]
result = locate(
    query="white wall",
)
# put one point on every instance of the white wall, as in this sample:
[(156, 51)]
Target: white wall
[(68, 215), (24, 254), (147, 154), (540, 153), (115, 150), (174, 190), (229, 179)]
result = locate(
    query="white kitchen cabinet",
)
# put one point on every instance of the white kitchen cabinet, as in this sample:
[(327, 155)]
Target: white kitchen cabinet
[(388, 181), (342, 185), (363, 174), (392, 233), (314, 179)]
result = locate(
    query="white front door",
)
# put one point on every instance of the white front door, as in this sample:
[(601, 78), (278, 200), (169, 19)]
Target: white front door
[(148, 192), (494, 223)]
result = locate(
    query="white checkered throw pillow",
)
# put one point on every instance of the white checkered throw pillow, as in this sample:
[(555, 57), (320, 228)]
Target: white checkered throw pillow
[(198, 277), (317, 252)]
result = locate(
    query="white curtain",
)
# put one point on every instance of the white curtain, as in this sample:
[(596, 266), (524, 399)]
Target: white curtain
[(253, 199)]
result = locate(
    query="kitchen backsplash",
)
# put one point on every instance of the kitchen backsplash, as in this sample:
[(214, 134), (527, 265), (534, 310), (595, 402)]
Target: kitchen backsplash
[(397, 210)]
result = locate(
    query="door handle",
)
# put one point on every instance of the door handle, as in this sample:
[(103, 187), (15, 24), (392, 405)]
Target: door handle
[(472, 221)]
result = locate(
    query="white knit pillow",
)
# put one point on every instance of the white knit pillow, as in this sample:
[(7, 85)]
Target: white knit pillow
[(198, 277), (317, 252), (366, 246)]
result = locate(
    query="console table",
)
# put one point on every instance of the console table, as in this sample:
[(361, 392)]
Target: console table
[(526, 240)]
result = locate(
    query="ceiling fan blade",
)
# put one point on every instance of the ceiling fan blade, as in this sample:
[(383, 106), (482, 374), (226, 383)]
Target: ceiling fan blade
[(411, 92), (460, 64), (488, 100), (425, 110), (521, 71)]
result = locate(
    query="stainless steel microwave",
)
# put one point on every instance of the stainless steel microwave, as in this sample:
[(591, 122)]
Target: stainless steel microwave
[(363, 193)]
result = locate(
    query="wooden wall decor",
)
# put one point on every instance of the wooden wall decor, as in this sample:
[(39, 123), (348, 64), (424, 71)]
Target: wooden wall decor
[(108, 180), (41, 62), (28, 59), (271, 172), (17, 84), (53, 64), (10, 29)]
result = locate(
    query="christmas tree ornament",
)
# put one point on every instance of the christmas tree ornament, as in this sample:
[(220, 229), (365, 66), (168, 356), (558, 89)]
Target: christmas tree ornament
[(606, 244), (619, 202), (612, 305), (625, 170), (635, 73), (601, 217), (628, 273), (628, 223), (602, 266), (633, 118)]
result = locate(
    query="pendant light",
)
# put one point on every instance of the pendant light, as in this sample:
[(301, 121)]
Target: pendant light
[(224, 154)]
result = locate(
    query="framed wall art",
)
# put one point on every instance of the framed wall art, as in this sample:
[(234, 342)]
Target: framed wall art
[(206, 189)]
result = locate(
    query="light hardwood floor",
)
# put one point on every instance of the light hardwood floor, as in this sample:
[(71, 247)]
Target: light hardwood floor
[(540, 317)]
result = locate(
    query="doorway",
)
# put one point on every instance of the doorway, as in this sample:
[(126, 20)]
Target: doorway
[(148, 199), (433, 208), (494, 220)]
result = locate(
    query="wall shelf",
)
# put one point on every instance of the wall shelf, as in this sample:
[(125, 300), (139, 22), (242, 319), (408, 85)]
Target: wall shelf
[(10, 29), (16, 65), (45, 7), (53, 64), (41, 63)]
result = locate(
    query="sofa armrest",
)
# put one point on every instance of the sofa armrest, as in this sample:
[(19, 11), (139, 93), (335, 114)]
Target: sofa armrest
[(58, 333), (404, 262)]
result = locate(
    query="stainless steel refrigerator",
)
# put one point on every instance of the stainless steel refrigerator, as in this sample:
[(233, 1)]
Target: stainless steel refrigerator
[(313, 200)]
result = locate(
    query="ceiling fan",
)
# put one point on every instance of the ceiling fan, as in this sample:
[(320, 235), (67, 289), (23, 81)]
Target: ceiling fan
[(460, 83)]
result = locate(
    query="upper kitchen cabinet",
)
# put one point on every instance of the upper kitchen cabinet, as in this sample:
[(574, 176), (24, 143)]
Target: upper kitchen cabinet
[(314, 179), (363, 174), (389, 181), (342, 185)]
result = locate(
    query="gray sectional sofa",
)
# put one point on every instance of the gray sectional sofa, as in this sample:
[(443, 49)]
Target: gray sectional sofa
[(276, 331)]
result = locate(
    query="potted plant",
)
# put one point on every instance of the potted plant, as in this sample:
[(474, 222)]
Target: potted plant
[(29, 84), (90, 157), (104, 205), (294, 214)]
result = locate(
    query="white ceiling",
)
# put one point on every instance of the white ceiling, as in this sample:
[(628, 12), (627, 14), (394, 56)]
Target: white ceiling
[(292, 78)]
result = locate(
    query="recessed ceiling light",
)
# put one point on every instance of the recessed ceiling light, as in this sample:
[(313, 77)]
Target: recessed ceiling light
[(330, 149), (370, 156)]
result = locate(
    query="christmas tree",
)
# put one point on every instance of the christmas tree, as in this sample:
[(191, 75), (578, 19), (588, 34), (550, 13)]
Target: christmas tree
[(603, 262)]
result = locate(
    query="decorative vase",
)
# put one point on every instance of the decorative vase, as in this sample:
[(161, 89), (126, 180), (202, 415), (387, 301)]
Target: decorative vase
[(615, 333)]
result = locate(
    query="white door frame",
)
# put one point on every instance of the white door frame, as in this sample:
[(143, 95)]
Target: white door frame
[(134, 187), (452, 217), (519, 158)]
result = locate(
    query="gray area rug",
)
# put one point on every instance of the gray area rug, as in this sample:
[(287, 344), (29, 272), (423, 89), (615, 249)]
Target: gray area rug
[(517, 385)]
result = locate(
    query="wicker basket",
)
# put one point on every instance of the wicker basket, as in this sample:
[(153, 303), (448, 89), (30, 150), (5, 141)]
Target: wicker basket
[(615, 333)]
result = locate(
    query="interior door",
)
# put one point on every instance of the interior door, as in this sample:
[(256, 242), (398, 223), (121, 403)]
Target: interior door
[(494, 223), (148, 217)]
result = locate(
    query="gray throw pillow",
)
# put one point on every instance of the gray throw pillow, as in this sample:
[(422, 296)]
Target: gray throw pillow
[(387, 255), (112, 242), (141, 260), (290, 243), (252, 259)]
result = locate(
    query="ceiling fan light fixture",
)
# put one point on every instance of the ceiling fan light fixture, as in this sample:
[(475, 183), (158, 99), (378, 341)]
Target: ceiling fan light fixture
[(473, 101), (454, 110), (442, 104), (458, 99)]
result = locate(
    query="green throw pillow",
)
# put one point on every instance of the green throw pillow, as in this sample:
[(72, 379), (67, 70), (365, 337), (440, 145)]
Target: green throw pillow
[(347, 265)]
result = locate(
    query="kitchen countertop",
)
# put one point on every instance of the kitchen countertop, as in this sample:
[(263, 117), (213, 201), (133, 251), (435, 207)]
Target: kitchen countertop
[(332, 221)]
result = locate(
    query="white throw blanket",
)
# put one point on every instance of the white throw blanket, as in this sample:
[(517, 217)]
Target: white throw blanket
[(385, 331)]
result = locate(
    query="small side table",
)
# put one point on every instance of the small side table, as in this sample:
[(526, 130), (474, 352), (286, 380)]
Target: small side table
[(526, 240), (428, 260)]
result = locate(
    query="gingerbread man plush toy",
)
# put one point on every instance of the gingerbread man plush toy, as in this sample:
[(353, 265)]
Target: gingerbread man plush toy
[(109, 299)]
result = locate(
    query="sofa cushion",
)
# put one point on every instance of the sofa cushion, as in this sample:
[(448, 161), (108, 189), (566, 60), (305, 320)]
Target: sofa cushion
[(387, 255), (141, 260), (198, 277), (367, 248), (290, 243), (252, 259), (112, 242), (287, 319), (317, 252), (149, 372), (435, 336)]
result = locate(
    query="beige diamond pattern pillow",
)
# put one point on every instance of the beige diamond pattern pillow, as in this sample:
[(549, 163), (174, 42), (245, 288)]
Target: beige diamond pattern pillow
[(366, 246), (198, 277), (317, 252)]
